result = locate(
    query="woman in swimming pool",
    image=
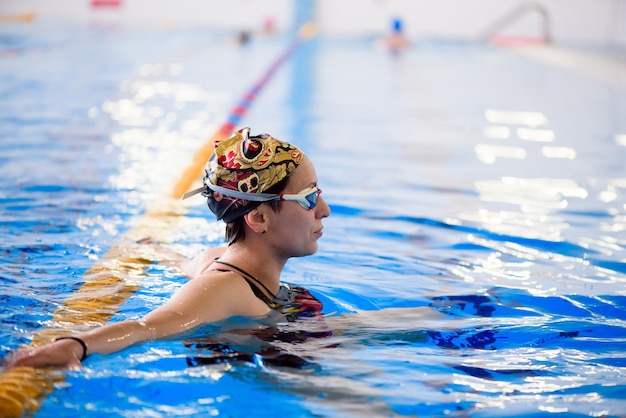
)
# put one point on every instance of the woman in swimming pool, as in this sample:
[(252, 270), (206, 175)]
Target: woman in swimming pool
[(266, 191)]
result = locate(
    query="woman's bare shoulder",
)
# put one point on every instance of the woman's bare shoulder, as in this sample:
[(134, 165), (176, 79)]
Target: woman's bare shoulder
[(227, 292)]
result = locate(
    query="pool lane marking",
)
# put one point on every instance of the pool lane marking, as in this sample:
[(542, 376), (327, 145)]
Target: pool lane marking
[(117, 275)]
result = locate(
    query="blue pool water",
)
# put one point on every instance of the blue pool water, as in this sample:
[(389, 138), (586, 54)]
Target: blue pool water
[(473, 265)]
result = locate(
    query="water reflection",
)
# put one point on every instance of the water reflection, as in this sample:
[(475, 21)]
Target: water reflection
[(496, 132), (559, 152), (508, 117), (488, 153), (154, 145), (536, 135), (538, 194)]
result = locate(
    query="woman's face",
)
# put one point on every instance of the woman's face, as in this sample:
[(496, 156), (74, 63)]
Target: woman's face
[(294, 230)]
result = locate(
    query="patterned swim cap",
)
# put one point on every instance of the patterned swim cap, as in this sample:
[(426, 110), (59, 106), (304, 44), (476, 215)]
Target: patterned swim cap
[(248, 164)]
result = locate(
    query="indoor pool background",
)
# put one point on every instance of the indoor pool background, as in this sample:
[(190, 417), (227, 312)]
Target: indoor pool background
[(484, 186)]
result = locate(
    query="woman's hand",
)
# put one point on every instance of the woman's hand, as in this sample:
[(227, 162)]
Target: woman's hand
[(154, 251), (61, 353)]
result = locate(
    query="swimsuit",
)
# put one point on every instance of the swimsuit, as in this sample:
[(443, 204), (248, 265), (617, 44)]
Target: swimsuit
[(294, 304)]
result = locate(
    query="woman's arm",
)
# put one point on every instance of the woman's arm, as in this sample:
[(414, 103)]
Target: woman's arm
[(208, 298), (388, 319), (69, 352), (191, 267), (154, 251)]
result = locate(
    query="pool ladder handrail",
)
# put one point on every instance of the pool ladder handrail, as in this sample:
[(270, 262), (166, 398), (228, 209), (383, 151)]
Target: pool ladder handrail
[(515, 14)]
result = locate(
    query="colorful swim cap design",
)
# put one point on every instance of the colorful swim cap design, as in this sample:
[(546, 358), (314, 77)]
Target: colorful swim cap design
[(248, 164)]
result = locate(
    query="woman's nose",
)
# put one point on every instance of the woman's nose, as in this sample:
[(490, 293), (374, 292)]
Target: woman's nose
[(322, 208)]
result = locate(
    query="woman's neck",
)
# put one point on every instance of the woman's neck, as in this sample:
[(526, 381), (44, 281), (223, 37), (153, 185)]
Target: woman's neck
[(257, 262)]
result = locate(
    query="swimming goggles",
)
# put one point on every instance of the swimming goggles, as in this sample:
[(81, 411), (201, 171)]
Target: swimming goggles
[(307, 198)]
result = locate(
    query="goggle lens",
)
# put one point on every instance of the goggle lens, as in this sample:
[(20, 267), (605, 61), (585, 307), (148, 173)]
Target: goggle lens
[(307, 201), (311, 199)]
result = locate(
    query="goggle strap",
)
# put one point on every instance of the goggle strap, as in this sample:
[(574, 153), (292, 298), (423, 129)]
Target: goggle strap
[(254, 197), (194, 192)]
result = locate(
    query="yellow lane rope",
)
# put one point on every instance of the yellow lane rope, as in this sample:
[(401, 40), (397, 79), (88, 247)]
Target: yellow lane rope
[(117, 275)]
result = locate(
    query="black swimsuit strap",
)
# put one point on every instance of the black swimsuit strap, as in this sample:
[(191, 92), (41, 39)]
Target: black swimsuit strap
[(251, 280)]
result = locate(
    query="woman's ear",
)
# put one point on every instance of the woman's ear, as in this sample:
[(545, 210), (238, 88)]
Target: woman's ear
[(257, 219)]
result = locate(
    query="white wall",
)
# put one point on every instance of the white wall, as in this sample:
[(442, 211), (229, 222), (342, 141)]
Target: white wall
[(583, 22), (591, 22), (238, 14)]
